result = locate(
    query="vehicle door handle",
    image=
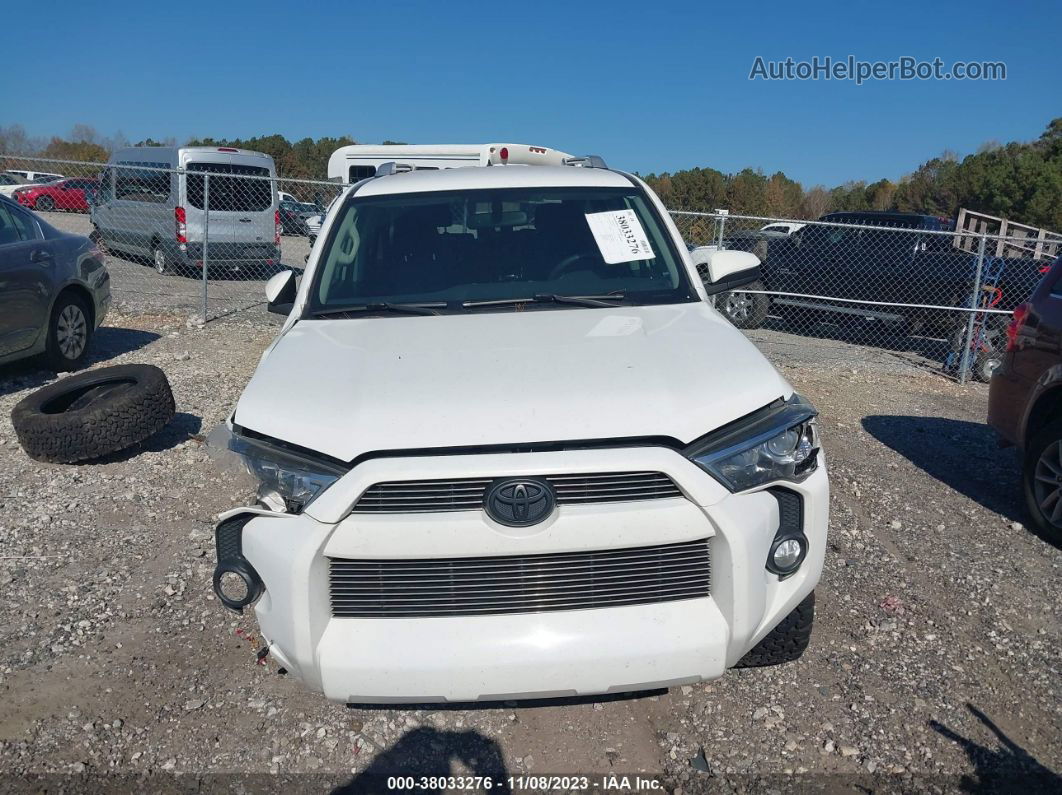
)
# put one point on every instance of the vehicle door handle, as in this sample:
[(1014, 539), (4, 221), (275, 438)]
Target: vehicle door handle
[(245, 220), (41, 255)]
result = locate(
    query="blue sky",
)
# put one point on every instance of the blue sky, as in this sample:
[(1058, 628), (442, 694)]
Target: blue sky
[(651, 86)]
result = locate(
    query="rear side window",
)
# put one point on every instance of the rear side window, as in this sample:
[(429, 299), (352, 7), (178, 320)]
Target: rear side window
[(230, 188), (142, 182), (15, 227)]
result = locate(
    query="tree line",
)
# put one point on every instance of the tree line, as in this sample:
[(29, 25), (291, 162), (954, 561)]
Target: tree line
[(1021, 181)]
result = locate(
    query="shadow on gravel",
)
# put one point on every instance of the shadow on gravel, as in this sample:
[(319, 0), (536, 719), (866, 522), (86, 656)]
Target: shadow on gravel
[(529, 703), (1008, 768), (962, 455), (429, 753), (107, 343)]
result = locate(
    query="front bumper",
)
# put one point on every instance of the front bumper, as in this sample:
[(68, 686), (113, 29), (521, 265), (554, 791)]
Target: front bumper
[(562, 653)]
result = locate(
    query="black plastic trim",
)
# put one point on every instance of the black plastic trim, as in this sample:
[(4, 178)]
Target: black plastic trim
[(734, 281), (526, 447), (228, 542), (790, 526)]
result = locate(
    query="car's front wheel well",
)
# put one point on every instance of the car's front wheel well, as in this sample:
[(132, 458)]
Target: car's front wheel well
[(1047, 407), (84, 295)]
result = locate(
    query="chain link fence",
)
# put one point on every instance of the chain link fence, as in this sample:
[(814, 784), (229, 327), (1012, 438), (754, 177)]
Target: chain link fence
[(199, 240), (875, 288), (879, 285)]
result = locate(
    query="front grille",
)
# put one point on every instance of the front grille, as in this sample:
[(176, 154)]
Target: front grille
[(466, 494), (518, 584)]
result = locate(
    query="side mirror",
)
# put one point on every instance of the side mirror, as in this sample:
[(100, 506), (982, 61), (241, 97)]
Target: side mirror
[(280, 292), (726, 270)]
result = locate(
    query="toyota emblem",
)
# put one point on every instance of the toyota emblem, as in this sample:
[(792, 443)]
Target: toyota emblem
[(519, 502)]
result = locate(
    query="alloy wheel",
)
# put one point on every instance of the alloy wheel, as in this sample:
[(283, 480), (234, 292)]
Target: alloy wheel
[(737, 306), (1047, 483), (71, 331)]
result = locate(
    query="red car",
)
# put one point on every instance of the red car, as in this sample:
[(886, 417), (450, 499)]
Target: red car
[(64, 194)]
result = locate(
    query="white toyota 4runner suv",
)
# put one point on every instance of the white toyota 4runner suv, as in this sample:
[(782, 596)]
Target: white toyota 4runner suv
[(505, 447)]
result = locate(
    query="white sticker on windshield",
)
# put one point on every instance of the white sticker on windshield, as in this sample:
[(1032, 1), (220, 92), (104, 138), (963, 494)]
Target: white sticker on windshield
[(619, 236)]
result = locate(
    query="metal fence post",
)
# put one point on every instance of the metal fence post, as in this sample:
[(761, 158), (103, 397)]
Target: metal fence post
[(975, 298), (722, 223), (206, 242)]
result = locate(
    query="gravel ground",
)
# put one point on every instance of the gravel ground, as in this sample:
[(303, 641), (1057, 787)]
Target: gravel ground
[(934, 663)]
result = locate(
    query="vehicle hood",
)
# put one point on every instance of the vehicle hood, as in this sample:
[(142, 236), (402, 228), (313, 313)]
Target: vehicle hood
[(346, 387)]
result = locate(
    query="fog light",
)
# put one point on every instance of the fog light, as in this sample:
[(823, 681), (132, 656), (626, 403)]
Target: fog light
[(237, 584), (787, 554)]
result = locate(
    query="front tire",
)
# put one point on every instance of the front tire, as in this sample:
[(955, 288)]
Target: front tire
[(787, 641), (69, 332), (746, 310), (1042, 481), (44, 204)]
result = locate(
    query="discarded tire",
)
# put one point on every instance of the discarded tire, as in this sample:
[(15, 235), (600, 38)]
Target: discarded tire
[(91, 414)]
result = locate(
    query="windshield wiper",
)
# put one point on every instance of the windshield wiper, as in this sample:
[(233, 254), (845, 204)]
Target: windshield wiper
[(553, 298), (409, 309)]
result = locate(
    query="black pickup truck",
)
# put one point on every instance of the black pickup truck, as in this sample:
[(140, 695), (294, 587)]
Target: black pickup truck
[(881, 258)]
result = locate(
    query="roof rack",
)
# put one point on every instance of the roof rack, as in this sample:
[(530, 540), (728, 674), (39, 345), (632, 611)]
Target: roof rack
[(588, 161)]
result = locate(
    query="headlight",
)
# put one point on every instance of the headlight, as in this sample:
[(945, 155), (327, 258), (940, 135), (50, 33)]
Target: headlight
[(287, 479), (779, 442)]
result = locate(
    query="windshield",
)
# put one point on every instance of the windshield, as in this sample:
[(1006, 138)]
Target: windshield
[(496, 245)]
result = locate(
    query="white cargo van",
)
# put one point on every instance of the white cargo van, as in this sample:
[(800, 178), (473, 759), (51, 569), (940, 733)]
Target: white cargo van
[(360, 161), (152, 199)]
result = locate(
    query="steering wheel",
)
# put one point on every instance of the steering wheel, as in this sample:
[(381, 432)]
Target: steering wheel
[(567, 264)]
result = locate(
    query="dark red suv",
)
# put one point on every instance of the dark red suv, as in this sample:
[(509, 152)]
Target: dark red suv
[(1025, 399)]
